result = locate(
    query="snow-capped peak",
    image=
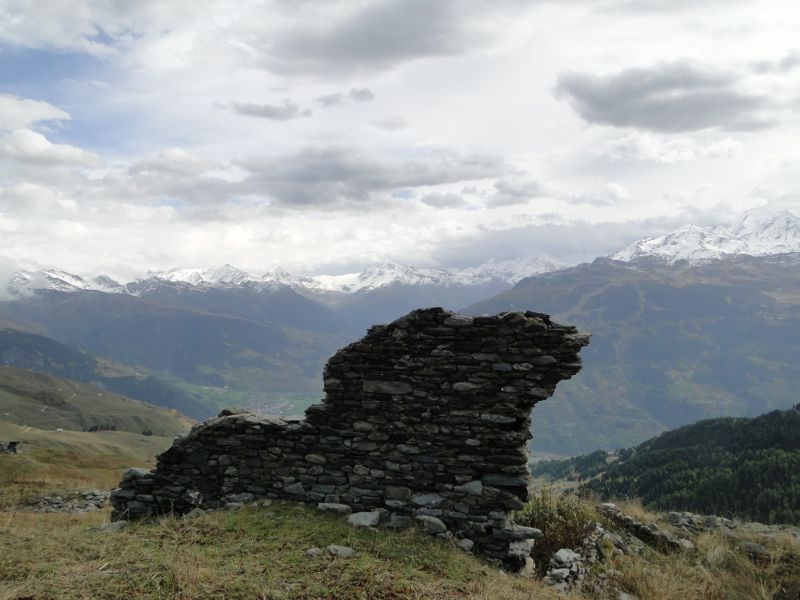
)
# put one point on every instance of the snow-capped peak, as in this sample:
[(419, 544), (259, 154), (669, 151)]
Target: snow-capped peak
[(224, 276), (759, 232), (26, 281), (283, 277), (382, 275), (512, 270), (228, 276), (46, 279)]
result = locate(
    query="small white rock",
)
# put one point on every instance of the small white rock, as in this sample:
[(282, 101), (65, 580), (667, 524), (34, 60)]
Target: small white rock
[(364, 519), (340, 551)]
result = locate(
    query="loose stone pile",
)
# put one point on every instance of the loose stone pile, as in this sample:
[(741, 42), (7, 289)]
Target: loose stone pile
[(74, 503), (693, 524), (566, 570), (427, 418), (649, 533)]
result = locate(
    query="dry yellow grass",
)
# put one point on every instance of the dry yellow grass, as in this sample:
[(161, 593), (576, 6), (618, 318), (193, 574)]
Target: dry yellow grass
[(717, 570), (253, 553), (634, 508), (261, 553)]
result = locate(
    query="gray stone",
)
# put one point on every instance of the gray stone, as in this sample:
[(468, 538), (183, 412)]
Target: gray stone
[(112, 527), (474, 488), (465, 544), (364, 519), (754, 550), (499, 419), (565, 557), (685, 545), (396, 388), (459, 321), (342, 509), (295, 488), (314, 552), (500, 480), (517, 533), (431, 525), (134, 473), (427, 500), (520, 548), (340, 551), (543, 361), (465, 386), (395, 521)]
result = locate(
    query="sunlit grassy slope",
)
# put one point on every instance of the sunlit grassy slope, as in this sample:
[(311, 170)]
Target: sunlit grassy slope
[(46, 402), (69, 460), (260, 552)]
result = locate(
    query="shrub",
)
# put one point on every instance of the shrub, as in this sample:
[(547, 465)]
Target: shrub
[(562, 519)]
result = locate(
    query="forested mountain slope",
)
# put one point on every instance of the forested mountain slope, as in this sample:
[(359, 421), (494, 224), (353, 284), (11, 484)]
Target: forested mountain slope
[(733, 467)]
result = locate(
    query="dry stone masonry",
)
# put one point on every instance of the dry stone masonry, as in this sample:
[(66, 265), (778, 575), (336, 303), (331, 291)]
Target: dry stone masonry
[(425, 420)]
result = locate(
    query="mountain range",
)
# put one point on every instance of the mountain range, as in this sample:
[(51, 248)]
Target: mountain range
[(756, 233), (698, 323), (671, 344), (498, 272)]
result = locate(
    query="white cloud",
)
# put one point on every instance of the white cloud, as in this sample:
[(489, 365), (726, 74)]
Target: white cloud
[(139, 85), (390, 123), (28, 146), (644, 146), (174, 160), (443, 200), (18, 113)]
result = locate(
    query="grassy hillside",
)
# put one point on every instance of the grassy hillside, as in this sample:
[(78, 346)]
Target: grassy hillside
[(26, 350), (671, 345), (732, 467), (255, 553), (69, 460), (45, 402), (261, 552)]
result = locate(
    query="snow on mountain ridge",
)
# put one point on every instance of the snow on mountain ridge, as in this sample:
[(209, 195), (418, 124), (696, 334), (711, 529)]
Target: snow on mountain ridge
[(513, 270), (25, 281), (219, 276), (227, 276), (758, 232)]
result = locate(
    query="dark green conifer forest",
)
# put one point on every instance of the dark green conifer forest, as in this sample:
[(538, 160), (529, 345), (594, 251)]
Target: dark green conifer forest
[(734, 467)]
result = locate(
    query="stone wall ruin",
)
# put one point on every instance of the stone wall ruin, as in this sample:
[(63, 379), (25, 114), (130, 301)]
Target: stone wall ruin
[(426, 418)]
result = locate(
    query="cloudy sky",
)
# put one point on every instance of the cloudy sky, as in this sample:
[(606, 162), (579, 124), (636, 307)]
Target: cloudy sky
[(325, 136)]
